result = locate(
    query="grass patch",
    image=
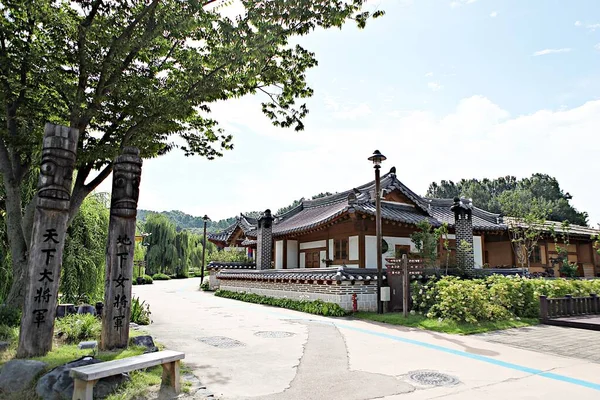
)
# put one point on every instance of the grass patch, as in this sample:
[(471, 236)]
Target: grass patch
[(446, 326), (138, 385), (64, 352)]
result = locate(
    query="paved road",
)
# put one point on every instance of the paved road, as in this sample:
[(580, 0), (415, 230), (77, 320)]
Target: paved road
[(558, 340), (248, 351)]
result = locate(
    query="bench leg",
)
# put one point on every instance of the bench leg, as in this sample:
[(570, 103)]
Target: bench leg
[(171, 375), (83, 390)]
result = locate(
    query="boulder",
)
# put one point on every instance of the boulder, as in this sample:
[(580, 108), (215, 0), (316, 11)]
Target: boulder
[(4, 346), (58, 385), (144, 341), (17, 375)]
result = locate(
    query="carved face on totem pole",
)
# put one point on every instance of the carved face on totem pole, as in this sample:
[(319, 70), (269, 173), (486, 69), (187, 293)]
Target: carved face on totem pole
[(126, 183), (56, 170)]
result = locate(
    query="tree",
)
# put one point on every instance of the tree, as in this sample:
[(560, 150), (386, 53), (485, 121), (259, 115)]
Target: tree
[(84, 259), (527, 222), (140, 73), (426, 240), (162, 254), (486, 194)]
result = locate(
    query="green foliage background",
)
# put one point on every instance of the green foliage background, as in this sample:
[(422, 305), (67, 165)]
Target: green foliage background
[(84, 258), (508, 194)]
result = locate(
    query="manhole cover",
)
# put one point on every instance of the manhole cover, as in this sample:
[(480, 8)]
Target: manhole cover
[(273, 334), (432, 378), (221, 342)]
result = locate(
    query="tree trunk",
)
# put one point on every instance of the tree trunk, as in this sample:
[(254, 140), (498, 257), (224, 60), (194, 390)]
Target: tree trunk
[(17, 243)]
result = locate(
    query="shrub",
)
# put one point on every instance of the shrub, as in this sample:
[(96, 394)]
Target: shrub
[(77, 327), (313, 307), (10, 333), (205, 286), (140, 312), (148, 280), (9, 316), (493, 298), (161, 277), (198, 274)]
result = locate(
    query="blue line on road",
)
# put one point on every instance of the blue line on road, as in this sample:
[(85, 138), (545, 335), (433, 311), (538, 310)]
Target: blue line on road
[(477, 357)]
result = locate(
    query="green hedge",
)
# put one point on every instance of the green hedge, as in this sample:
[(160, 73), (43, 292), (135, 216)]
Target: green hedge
[(494, 298), (313, 307), (161, 277)]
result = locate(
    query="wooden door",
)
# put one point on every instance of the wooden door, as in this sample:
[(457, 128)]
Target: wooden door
[(313, 258)]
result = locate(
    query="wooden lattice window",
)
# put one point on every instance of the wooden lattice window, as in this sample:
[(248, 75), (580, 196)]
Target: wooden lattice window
[(341, 249)]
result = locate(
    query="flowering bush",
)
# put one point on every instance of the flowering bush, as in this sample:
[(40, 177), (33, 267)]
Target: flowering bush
[(494, 298)]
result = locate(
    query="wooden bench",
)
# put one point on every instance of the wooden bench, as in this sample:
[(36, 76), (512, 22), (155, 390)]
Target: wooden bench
[(86, 377)]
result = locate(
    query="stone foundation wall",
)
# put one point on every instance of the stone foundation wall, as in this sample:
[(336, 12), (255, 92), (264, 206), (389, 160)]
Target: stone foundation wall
[(366, 294), (213, 282)]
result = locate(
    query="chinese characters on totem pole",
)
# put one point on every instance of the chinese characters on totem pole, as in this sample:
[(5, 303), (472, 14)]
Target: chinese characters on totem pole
[(47, 241), (119, 255)]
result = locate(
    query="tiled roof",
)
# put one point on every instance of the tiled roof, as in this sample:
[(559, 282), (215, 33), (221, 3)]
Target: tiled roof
[(482, 220), (577, 230), (312, 213), (215, 265), (245, 223), (337, 274), (397, 212)]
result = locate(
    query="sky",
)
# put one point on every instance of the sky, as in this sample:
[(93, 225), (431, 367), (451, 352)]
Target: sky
[(444, 89)]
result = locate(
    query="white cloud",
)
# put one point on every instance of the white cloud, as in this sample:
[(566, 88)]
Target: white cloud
[(270, 166), (429, 74), (578, 23), (494, 14), (435, 86), (353, 113), (593, 27), (459, 3), (551, 51), (597, 46)]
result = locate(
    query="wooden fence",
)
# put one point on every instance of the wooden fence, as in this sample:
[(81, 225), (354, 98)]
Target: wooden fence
[(554, 311)]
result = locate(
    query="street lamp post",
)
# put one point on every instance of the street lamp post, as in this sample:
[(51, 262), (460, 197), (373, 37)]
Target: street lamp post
[(377, 158), (206, 219)]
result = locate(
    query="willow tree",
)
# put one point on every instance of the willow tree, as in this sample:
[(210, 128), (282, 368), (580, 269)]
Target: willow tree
[(162, 254), (141, 73), (82, 273)]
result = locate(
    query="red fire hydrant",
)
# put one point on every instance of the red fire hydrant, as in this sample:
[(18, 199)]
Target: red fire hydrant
[(354, 303)]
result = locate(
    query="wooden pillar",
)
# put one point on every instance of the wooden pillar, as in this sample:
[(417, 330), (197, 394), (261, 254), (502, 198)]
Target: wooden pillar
[(119, 254), (483, 248), (59, 150), (361, 249)]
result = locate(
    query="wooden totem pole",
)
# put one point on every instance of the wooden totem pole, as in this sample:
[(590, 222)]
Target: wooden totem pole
[(47, 240), (119, 254)]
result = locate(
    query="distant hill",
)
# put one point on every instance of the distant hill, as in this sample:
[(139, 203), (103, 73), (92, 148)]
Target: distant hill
[(185, 221)]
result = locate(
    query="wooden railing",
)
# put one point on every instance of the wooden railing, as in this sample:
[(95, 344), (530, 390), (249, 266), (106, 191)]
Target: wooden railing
[(568, 306)]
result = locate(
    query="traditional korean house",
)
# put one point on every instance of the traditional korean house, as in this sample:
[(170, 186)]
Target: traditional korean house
[(234, 237), (339, 230)]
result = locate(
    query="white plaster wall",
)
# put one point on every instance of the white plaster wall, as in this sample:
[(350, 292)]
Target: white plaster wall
[(292, 254), (353, 247), (331, 249), (371, 249), (279, 254), (477, 251), (313, 245), (322, 257), (302, 260)]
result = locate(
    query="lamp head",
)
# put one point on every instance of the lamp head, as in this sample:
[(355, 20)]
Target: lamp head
[(377, 158)]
